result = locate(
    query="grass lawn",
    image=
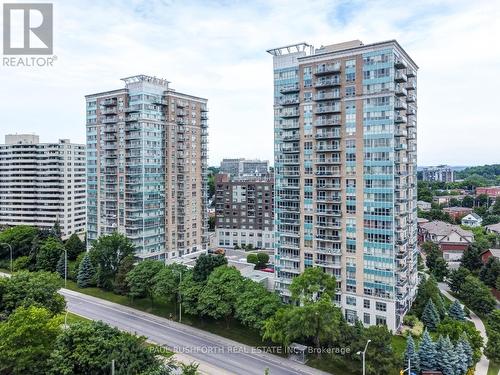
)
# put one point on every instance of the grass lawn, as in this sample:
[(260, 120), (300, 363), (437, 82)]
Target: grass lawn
[(493, 368), (398, 344), (73, 318)]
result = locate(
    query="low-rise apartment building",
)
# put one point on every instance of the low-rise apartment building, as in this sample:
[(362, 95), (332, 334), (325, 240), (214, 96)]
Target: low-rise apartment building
[(244, 211), (42, 183), (244, 167), (492, 191)]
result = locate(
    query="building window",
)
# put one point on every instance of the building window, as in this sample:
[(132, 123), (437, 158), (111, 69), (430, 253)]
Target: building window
[(380, 320), (350, 77), (381, 306), (366, 318), (350, 316), (350, 63), (350, 91), (350, 300), (366, 303)]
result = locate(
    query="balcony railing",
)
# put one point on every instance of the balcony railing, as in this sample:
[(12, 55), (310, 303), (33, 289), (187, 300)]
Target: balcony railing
[(326, 135), (327, 121), (290, 113), (290, 88), (327, 82), (400, 76), (327, 69), (289, 101), (327, 95), (327, 109)]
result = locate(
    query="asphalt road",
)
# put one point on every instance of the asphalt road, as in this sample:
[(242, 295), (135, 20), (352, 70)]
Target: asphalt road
[(228, 356)]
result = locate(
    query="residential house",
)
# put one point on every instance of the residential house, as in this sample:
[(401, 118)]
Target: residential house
[(472, 220), (492, 191), (451, 239), (424, 206), (493, 228), (457, 213), (487, 254)]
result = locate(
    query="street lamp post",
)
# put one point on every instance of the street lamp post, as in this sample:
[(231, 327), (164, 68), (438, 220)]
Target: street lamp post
[(363, 353), (10, 248), (180, 297)]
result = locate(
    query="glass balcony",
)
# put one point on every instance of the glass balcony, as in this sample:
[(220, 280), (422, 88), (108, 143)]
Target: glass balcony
[(398, 118), (330, 82), (411, 98), (327, 134), (399, 63), (294, 87), (327, 95), (327, 109), (331, 121), (290, 112), (400, 76), (288, 101), (400, 104), (327, 68), (400, 90)]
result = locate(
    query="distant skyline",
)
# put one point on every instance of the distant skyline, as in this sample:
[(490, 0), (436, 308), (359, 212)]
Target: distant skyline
[(216, 49)]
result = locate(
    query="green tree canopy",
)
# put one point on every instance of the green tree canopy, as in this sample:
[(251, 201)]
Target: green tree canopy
[(48, 255), (86, 273), (218, 297), (490, 271), (457, 278), (205, 264), (190, 292), (89, 347), (32, 288), (255, 304), (74, 246), (27, 339), (120, 284), (454, 329), (428, 288), (430, 316), (427, 353), (107, 253), (141, 279), (456, 312), (167, 281), (311, 284), (21, 238), (477, 296)]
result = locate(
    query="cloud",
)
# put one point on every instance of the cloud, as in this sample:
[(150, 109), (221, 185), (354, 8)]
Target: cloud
[(216, 49)]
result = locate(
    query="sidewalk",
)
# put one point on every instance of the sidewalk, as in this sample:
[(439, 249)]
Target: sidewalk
[(482, 365)]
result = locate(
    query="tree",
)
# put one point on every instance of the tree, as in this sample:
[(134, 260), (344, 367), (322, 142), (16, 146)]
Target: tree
[(262, 258), (61, 265), (490, 271), (311, 284), (430, 316), (88, 347), (440, 270), (141, 279), (190, 292), (454, 329), (316, 322), (457, 278), (28, 336), (471, 259), (32, 288), (432, 252), (205, 264), (467, 349), (74, 246), (167, 281), (468, 201), (252, 258), (428, 289), (492, 350), (48, 255), (495, 208), (21, 263), (412, 355), (380, 357), (427, 353), (446, 359), (107, 253), (86, 273), (255, 304), (56, 230), (120, 284), (456, 312), (21, 238), (218, 297), (477, 296)]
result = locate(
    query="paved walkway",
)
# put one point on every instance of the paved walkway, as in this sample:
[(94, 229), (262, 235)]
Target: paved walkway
[(482, 365)]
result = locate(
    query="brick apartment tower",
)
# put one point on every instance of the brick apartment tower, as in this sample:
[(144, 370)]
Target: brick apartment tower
[(345, 173), (147, 167)]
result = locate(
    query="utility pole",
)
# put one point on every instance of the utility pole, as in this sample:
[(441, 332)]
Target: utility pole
[(401, 372), (112, 367), (180, 297)]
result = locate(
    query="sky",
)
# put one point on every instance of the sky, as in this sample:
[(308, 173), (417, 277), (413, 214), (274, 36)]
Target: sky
[(217, 50)]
